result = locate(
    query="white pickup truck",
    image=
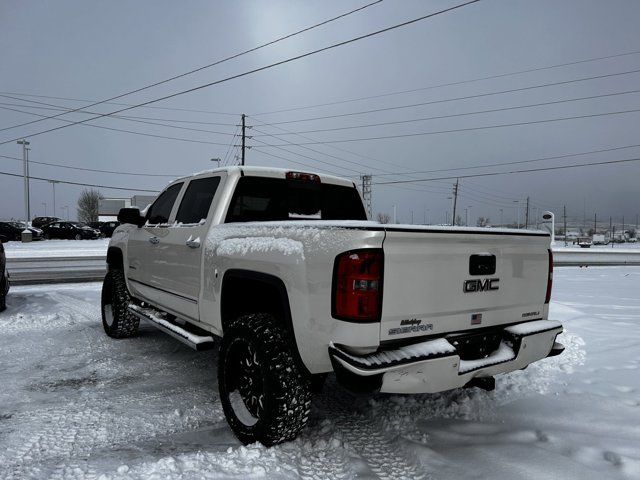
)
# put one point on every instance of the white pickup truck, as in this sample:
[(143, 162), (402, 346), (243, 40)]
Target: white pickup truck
[(285, 267)]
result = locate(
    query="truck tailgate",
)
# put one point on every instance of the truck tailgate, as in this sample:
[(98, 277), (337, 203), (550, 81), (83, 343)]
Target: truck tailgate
[(438, 281)]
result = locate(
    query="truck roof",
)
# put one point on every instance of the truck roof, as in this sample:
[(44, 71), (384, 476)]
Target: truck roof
[(272, 172)]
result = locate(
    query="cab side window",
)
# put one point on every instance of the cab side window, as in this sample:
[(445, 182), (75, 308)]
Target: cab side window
[(161, 209), (197, 200)]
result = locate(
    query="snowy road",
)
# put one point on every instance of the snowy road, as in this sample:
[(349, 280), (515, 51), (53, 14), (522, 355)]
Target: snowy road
[(75, 404)]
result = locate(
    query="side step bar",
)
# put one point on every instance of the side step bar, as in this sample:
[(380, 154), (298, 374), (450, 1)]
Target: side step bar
[(194, 340)]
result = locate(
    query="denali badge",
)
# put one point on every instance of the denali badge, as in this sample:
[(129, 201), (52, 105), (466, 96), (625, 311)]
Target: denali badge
[(480, 285), (412, 321)]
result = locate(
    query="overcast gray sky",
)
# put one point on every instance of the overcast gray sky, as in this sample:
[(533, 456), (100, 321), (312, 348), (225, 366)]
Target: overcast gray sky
[(94, 50)]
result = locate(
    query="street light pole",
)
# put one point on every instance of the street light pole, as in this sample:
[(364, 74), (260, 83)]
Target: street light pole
[(44, 204), (53, 184), (25, 160)]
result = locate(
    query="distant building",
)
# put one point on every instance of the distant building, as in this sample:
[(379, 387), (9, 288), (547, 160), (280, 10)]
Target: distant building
[(108, 208)]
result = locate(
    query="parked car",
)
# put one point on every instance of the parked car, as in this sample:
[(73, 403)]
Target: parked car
[(70, 231), (13, 231), (584, 242), (285, 267), (40, 222), (4, 279), (107, 228)]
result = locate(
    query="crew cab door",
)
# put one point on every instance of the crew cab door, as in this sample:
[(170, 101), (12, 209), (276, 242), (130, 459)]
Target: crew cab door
[(179, 269), (145, 248)]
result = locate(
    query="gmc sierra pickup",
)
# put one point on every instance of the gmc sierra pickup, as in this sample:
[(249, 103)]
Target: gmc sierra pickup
[(286, 269)]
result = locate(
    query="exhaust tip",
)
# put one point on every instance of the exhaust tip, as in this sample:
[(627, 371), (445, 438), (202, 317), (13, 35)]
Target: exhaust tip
[(485, 383)]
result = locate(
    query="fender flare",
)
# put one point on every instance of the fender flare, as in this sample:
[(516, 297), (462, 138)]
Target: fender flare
[(283, 295)]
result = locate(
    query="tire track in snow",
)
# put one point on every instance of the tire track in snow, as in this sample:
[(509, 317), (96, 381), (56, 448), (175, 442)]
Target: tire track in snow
[(55, 440), (364, 433)]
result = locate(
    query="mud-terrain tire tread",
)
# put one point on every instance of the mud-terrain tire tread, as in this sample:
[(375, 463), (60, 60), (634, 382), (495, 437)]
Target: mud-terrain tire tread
[(114, 292), (287, 389)]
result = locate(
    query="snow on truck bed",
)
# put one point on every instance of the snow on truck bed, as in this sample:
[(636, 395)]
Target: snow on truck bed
[(76, 404)]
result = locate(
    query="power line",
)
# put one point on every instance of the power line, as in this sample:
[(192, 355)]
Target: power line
[(94, 169), (154, 107), (121, 130), (313, 150), (544, 169), (81, 184), (218, 62), (255, 70), (294, 161), (449, 84), (468, 129), (119, 117), (438, 117), (333, 147), (264, 144), (445, 100), (135, 117), (511, 163)]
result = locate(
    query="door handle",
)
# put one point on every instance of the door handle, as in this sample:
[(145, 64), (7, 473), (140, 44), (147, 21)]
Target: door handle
[(154, 240), (191, 243)]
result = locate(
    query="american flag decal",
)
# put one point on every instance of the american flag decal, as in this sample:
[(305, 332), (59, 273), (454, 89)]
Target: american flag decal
[(476, 319)]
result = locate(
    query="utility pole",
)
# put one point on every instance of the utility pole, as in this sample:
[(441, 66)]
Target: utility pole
[(367, 194), (455, 201), (611, 231), (622, 227), (395, 214), (595, 223), (564, 215), (25, 160), (243, 138), (526, 215), (501, 217)]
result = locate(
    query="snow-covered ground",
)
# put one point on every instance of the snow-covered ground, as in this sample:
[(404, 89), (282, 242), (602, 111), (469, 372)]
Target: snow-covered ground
[(57, 248), (76, 404)]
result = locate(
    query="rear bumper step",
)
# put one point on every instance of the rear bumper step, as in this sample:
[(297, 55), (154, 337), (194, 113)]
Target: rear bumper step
[(195, 341), (435, 365)]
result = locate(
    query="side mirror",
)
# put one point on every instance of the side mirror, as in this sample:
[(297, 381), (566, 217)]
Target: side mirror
[(131, 215)]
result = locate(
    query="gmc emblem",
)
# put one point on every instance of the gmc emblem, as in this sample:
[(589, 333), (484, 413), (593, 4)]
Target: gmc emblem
[(478, 285)]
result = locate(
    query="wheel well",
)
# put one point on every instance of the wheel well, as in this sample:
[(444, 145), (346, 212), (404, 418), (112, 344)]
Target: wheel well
[(267, 295), (114, 258), (245, 292)]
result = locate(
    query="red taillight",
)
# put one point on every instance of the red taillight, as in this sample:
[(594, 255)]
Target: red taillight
[(550, 279), (357, 285), (306, 177)]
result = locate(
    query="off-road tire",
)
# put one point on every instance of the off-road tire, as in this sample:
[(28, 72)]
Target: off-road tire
[(117, 320), (286, 390), (3, 293)]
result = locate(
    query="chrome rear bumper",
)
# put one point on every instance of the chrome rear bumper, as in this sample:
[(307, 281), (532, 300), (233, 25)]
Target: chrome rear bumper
[(435, 365)]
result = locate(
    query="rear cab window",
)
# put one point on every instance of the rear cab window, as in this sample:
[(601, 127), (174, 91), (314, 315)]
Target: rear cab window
[(160, 210), (262, 199)]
